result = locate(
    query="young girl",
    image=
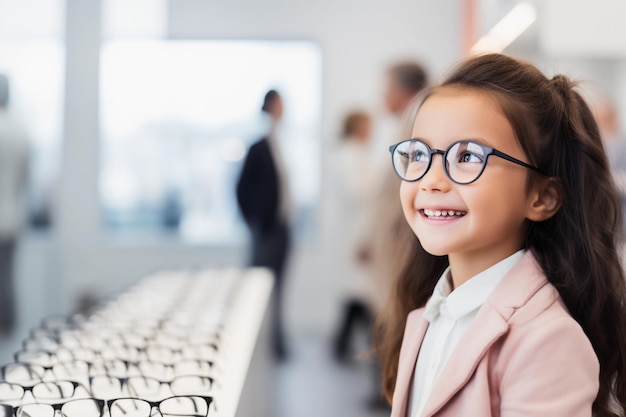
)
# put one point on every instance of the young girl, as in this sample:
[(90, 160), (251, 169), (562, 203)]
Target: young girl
[(514, 293)]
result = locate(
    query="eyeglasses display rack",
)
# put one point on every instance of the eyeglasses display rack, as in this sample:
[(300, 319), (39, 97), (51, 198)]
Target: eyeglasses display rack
[(181, 343)]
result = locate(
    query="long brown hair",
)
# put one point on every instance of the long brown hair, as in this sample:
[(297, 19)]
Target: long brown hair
[(578, 248)]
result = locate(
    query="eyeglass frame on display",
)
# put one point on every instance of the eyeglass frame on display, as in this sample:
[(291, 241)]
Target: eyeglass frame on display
[(30, 388), (55, 406), (208, 399), (125, 380)]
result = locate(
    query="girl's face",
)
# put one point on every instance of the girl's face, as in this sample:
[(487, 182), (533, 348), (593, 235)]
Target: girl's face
[(492, 221)]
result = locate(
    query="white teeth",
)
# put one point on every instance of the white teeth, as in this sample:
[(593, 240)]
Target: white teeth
[(443, 213)]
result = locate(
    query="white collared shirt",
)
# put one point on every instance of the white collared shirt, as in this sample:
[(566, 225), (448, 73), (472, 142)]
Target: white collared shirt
[(450, 314)]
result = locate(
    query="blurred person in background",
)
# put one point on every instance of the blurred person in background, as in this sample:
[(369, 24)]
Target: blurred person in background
[(352, 179), (264, 201), (387, 231), (606, 113), (14, 155), (387, 238)]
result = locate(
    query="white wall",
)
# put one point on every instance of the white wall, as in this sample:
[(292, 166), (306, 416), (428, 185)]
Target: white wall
[(358, 40), (584, 28), (581, 39)]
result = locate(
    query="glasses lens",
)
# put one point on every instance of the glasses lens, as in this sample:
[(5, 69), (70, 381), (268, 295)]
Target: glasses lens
[(190, 385), (194, 367), (167, 341), (143, 387), (35, 410), (23, 373), (41, 343), (184, 406), (128, 407), (71, 370), (10, 392), (106, 387), (82, 354), (53, 390), (127, 353), (81, 408), (161, 354), (110, 367), (134, 340), (36, 357), (200, 352), (411, 159), (465, 161)]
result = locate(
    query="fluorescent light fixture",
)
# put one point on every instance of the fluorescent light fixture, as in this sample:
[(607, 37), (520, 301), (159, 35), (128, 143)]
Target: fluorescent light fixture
[(506, 30)]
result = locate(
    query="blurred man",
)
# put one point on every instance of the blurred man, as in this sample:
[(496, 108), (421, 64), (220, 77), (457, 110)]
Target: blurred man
[(14, 149), (263, 198), (389, 238), (388, 230)]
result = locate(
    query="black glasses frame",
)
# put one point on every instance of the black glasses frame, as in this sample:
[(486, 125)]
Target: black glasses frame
[(30, 388), (124, 381), (157, 404), (57, 407), (444, 154)]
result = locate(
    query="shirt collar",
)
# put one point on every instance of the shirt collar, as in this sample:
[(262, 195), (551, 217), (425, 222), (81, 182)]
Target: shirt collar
[(469, 296)]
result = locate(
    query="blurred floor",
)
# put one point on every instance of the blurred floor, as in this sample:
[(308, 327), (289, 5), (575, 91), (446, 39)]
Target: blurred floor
[(312, 384)]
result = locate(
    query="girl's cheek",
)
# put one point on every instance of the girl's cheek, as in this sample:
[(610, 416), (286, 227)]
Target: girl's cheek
[(407, 197)]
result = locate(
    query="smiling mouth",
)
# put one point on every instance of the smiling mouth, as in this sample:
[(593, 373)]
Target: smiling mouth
[(442, 214)]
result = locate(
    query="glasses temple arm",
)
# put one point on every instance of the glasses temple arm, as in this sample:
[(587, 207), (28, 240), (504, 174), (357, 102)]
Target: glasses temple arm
[(516, 161)]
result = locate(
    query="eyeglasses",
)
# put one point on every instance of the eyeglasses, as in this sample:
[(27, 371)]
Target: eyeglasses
[(41, 391), (189, 406), (105, 386), (84, 407), (26, 373), (463, 161), (46, 358)]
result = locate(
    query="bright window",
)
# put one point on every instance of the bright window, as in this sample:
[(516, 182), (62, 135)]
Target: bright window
[(32, 56), (176, 119)]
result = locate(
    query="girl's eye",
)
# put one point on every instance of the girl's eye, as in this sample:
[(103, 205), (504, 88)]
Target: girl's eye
[(419, 156), (470, 157)]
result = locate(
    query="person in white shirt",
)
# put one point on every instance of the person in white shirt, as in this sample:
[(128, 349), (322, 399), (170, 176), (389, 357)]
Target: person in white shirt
[(386, 230), (14, 151), (353, 195)]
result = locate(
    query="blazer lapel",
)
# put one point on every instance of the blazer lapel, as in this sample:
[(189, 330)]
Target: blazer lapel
[(414, 335), (490, 324), (486, 328)]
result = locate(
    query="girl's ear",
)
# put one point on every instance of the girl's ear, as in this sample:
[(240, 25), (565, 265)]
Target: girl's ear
[(546, 199)]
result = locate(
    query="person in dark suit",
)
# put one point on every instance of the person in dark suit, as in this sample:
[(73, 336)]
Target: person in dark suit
[(263, 199)]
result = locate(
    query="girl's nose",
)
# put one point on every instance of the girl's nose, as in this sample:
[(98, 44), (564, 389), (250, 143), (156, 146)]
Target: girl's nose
[(435, 179)]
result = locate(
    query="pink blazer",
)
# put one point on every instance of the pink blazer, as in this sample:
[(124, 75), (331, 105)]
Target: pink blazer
[(523, 355)]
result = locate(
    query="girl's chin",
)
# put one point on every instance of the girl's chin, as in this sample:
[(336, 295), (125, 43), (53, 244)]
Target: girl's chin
[(435, 250)]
